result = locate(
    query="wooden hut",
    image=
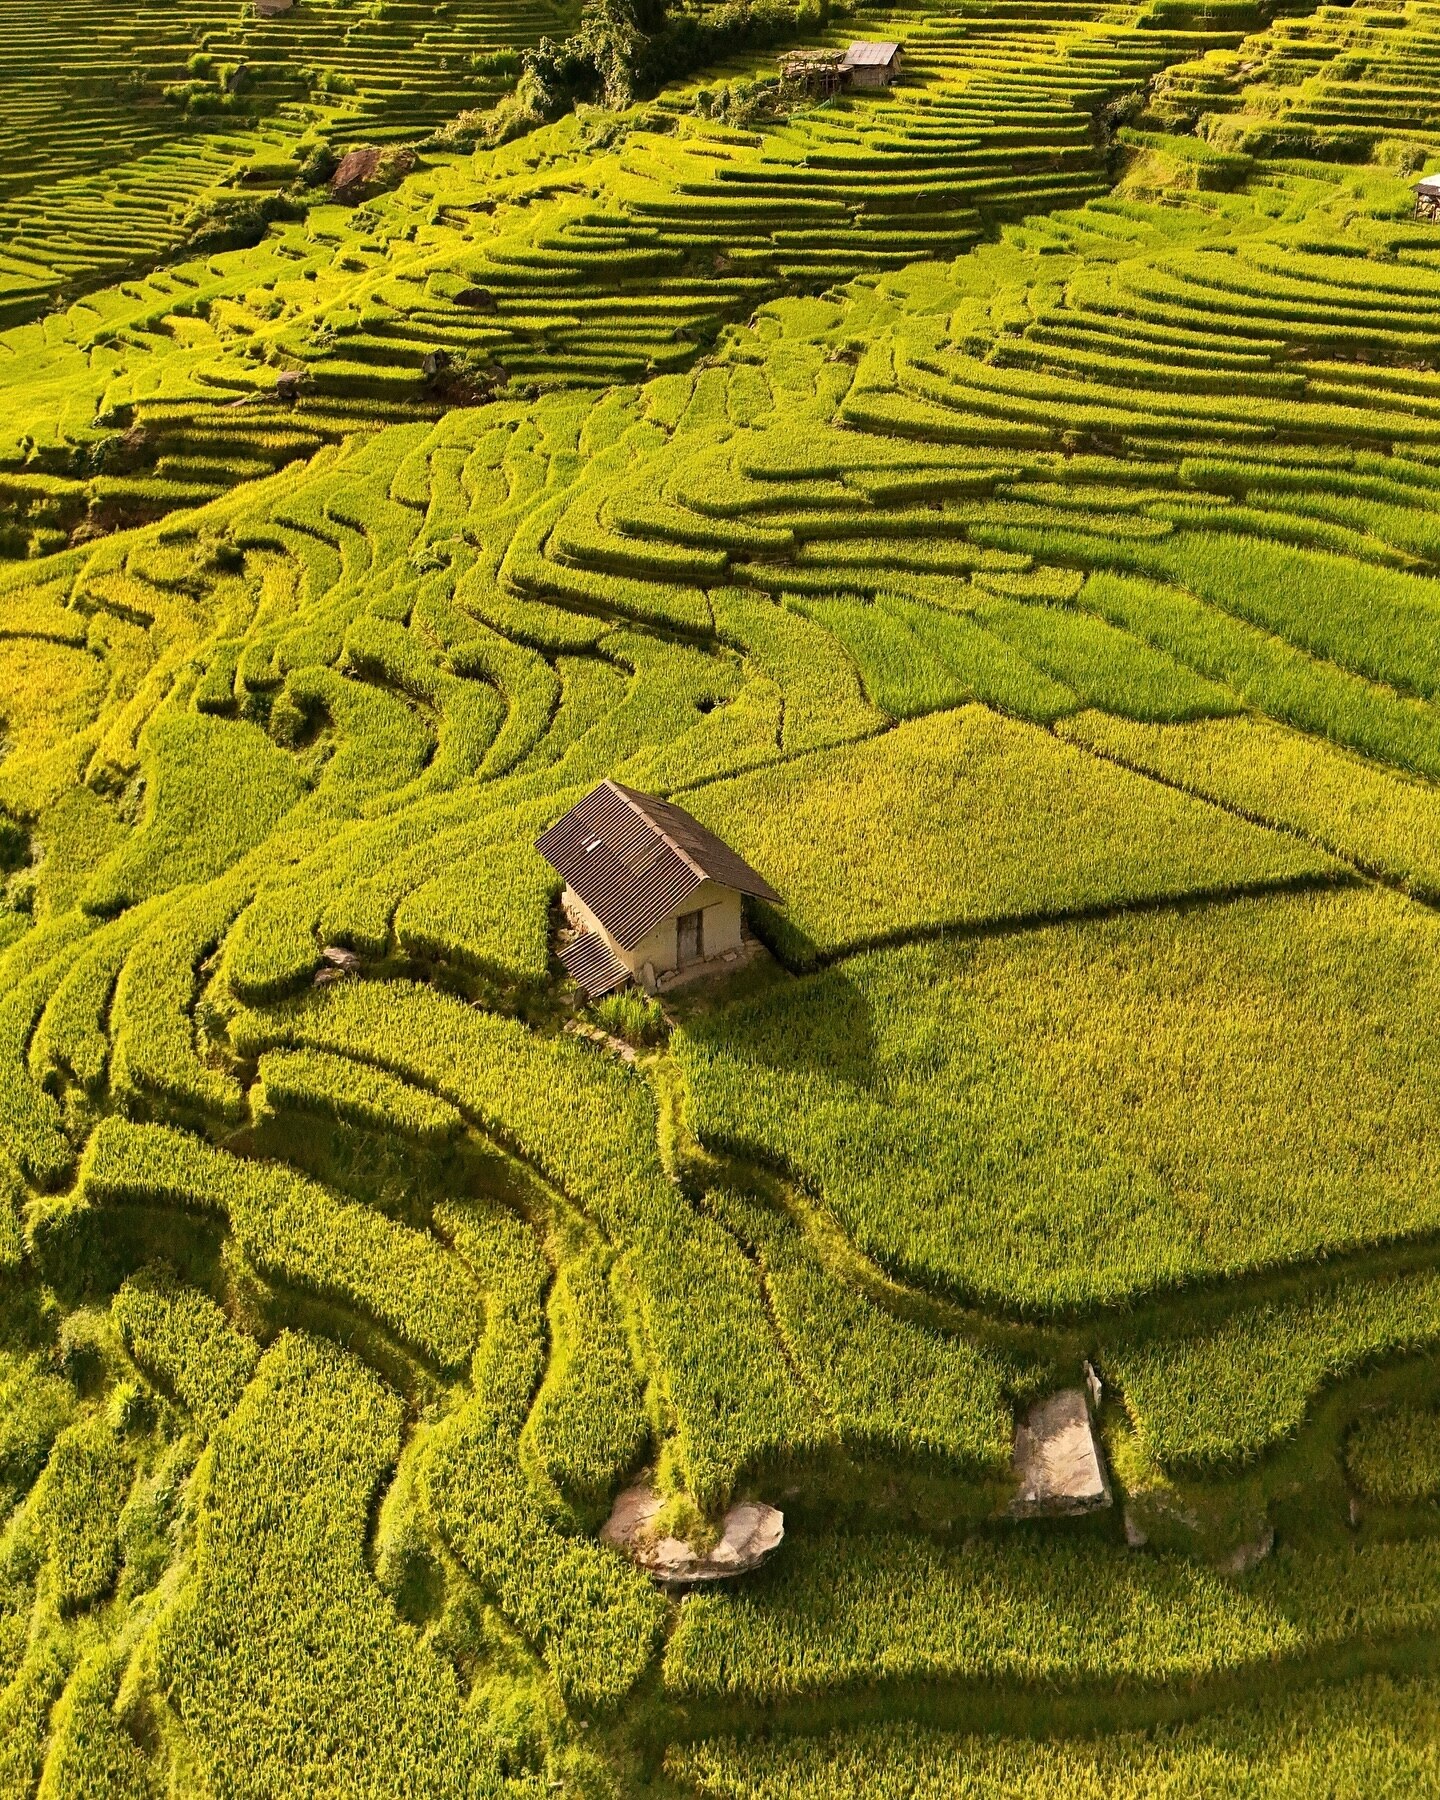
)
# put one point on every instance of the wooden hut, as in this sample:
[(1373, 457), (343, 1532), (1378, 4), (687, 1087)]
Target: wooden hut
[(649, 890), (869, 65), (1427, 199), (817, 74), (271, 9)]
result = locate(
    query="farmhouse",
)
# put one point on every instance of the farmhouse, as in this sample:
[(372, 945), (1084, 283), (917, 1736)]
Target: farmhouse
[(872, 65), (271, 9), (649, 889), (1427, 198)]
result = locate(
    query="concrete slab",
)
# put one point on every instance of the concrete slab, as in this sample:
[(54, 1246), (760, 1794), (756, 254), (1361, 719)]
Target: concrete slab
[(1058, 1464), (729, 962)]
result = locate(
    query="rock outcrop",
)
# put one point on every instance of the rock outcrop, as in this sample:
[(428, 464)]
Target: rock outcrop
[(751, 1531)]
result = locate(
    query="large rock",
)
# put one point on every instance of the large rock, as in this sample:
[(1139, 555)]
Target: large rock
[(1058, 1464), (368, 168), (750, 1532)]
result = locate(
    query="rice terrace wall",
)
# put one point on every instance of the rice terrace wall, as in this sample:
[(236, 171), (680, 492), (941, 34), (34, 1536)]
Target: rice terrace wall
[(999, 506)]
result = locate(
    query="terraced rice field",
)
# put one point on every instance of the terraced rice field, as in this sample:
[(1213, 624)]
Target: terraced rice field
[(117, 122), (1002, 507)]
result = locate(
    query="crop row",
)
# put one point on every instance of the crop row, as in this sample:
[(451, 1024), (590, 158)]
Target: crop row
[(1375, 1732), (850, 1609), (292, 1228)]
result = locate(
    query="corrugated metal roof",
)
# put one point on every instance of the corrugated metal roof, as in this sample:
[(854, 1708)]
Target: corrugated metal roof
[(634, 860), (870, 56), (592, 963)]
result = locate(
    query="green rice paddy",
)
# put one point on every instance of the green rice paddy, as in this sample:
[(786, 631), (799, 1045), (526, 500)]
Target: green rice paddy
[(1003, 507)]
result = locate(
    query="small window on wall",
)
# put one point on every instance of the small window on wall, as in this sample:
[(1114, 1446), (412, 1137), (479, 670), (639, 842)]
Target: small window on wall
[(689, 938)]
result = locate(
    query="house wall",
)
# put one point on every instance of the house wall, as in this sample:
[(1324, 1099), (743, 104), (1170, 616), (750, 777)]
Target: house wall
[(871, 76), (722, 918), (721, 906)]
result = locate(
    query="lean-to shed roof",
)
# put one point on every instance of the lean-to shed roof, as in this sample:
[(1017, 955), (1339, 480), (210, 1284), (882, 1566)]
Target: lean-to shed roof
[(1430, 185), (591, 962), (634, 860), (870, 56)]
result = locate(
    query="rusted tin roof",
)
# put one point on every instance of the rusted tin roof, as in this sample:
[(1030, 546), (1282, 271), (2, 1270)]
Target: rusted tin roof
[(870, 56), (634, 860), (591, 962)]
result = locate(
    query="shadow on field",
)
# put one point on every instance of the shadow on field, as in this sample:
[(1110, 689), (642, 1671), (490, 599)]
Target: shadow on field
[(818, 1024)]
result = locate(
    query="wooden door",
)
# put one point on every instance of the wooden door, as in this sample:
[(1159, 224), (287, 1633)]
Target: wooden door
[(689, 938)]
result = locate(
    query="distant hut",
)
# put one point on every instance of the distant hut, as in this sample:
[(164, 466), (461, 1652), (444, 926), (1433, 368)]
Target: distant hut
[(869, 65), (1427, 199), (271, 9), (649, 889), (817, 74)]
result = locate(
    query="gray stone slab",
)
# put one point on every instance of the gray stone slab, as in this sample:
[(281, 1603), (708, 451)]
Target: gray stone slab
[(1058, 1463)]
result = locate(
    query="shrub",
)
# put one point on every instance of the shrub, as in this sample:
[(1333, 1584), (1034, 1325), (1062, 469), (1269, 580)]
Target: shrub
[(636, 1017)]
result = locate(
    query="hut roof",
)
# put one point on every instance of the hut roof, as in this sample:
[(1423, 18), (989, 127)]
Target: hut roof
[(634, 860), (870, 56), (268, 9), (811, 59), (591, 962), (1429, 185)]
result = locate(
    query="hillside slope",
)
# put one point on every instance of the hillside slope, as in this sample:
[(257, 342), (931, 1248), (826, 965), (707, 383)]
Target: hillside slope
[(1005, 512)]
